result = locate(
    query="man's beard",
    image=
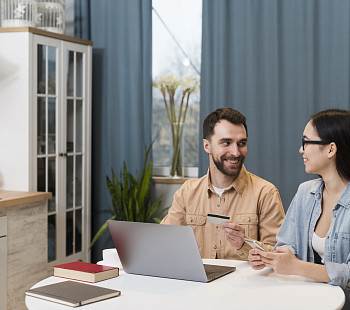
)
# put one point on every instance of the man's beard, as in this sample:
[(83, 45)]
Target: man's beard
[(229, 172)]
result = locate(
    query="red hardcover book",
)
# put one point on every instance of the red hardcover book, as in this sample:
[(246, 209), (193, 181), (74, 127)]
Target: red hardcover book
[(85, 271)]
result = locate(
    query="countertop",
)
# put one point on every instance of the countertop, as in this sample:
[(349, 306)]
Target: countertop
[(14, 198)]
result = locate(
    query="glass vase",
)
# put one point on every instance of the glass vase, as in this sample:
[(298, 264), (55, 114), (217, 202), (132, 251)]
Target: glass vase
[(177, 150)]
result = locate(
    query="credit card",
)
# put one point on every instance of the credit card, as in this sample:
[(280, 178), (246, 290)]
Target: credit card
[(217, 218)]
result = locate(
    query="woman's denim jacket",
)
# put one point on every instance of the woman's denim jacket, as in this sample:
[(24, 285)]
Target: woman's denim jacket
[(299, 225)]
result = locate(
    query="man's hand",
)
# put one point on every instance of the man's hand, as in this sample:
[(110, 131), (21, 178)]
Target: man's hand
[(234, 234), (282, 261), (255, 260)]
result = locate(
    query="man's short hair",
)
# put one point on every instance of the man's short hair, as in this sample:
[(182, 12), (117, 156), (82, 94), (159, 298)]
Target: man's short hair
[(231, 115)]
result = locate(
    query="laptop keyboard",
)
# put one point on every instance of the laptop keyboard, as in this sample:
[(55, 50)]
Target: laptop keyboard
[(214, 271)]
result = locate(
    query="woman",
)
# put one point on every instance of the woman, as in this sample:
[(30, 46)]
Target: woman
[(314, 239)]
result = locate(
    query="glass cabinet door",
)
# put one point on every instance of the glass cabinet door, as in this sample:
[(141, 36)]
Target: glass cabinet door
[(46, 135), (74, 149), (60, 149)]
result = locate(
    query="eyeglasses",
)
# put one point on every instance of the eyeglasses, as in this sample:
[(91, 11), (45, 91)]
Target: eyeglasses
[(303, 142)]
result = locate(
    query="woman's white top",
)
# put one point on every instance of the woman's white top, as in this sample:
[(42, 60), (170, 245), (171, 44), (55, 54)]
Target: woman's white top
[(318, 245)]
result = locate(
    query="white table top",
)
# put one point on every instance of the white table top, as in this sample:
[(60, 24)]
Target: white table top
[(243, 289)]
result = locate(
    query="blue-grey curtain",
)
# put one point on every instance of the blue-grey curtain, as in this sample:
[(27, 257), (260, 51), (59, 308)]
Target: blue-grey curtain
[(121, 89), (277, 62)]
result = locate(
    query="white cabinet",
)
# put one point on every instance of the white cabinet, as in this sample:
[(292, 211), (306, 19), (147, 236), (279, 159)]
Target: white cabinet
[(45, 130), (3, 263)]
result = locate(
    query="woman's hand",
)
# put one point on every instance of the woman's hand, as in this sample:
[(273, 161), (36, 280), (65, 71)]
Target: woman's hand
[(255, 260), (282, 261)]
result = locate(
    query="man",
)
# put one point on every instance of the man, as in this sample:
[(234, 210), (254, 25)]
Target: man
[(253, 204)]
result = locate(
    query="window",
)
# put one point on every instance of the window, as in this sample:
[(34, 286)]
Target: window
[(177, 32)]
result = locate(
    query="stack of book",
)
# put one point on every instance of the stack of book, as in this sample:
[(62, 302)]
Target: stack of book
[(76, 294), (86, 272)]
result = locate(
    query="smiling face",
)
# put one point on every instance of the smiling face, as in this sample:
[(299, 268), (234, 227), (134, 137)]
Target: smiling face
[(316, 158), (227, 148)]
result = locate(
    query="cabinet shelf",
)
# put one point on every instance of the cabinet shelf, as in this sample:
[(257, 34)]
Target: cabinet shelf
[(46, 34)]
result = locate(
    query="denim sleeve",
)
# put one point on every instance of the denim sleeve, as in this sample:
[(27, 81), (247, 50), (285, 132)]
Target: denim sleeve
[(286, 234), (338, 273)]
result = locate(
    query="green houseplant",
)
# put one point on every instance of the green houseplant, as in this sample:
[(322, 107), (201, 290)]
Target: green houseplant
[(131, 197)]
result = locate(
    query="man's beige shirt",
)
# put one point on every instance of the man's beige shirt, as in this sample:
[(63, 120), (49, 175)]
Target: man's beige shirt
[(250, 201)]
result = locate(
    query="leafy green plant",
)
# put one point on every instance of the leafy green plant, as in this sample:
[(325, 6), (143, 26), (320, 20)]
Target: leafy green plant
[(131, 197)]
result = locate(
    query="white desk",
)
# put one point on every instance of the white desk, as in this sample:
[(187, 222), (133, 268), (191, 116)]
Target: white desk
[(243, 289)]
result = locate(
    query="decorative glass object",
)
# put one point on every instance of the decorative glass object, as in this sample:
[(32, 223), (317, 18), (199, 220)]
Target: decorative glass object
[(51, 15), (177, 149), (168, 84), (18, 13)]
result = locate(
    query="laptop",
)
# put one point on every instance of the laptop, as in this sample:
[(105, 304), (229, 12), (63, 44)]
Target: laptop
[(166, 251)]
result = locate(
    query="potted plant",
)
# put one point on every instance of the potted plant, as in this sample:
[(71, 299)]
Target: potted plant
[(131, 197)]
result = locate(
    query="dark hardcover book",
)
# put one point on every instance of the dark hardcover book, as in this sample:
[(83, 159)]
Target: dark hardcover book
[(85, 271), (72, 293)]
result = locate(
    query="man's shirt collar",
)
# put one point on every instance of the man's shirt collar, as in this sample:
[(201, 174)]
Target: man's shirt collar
[(239, 184)]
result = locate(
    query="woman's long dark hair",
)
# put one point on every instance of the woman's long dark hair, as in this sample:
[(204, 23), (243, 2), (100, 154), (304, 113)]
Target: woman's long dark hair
[(333, 125)]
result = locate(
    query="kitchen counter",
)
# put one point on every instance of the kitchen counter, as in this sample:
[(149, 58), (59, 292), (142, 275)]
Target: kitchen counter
[(14, 198), (23, 220)]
